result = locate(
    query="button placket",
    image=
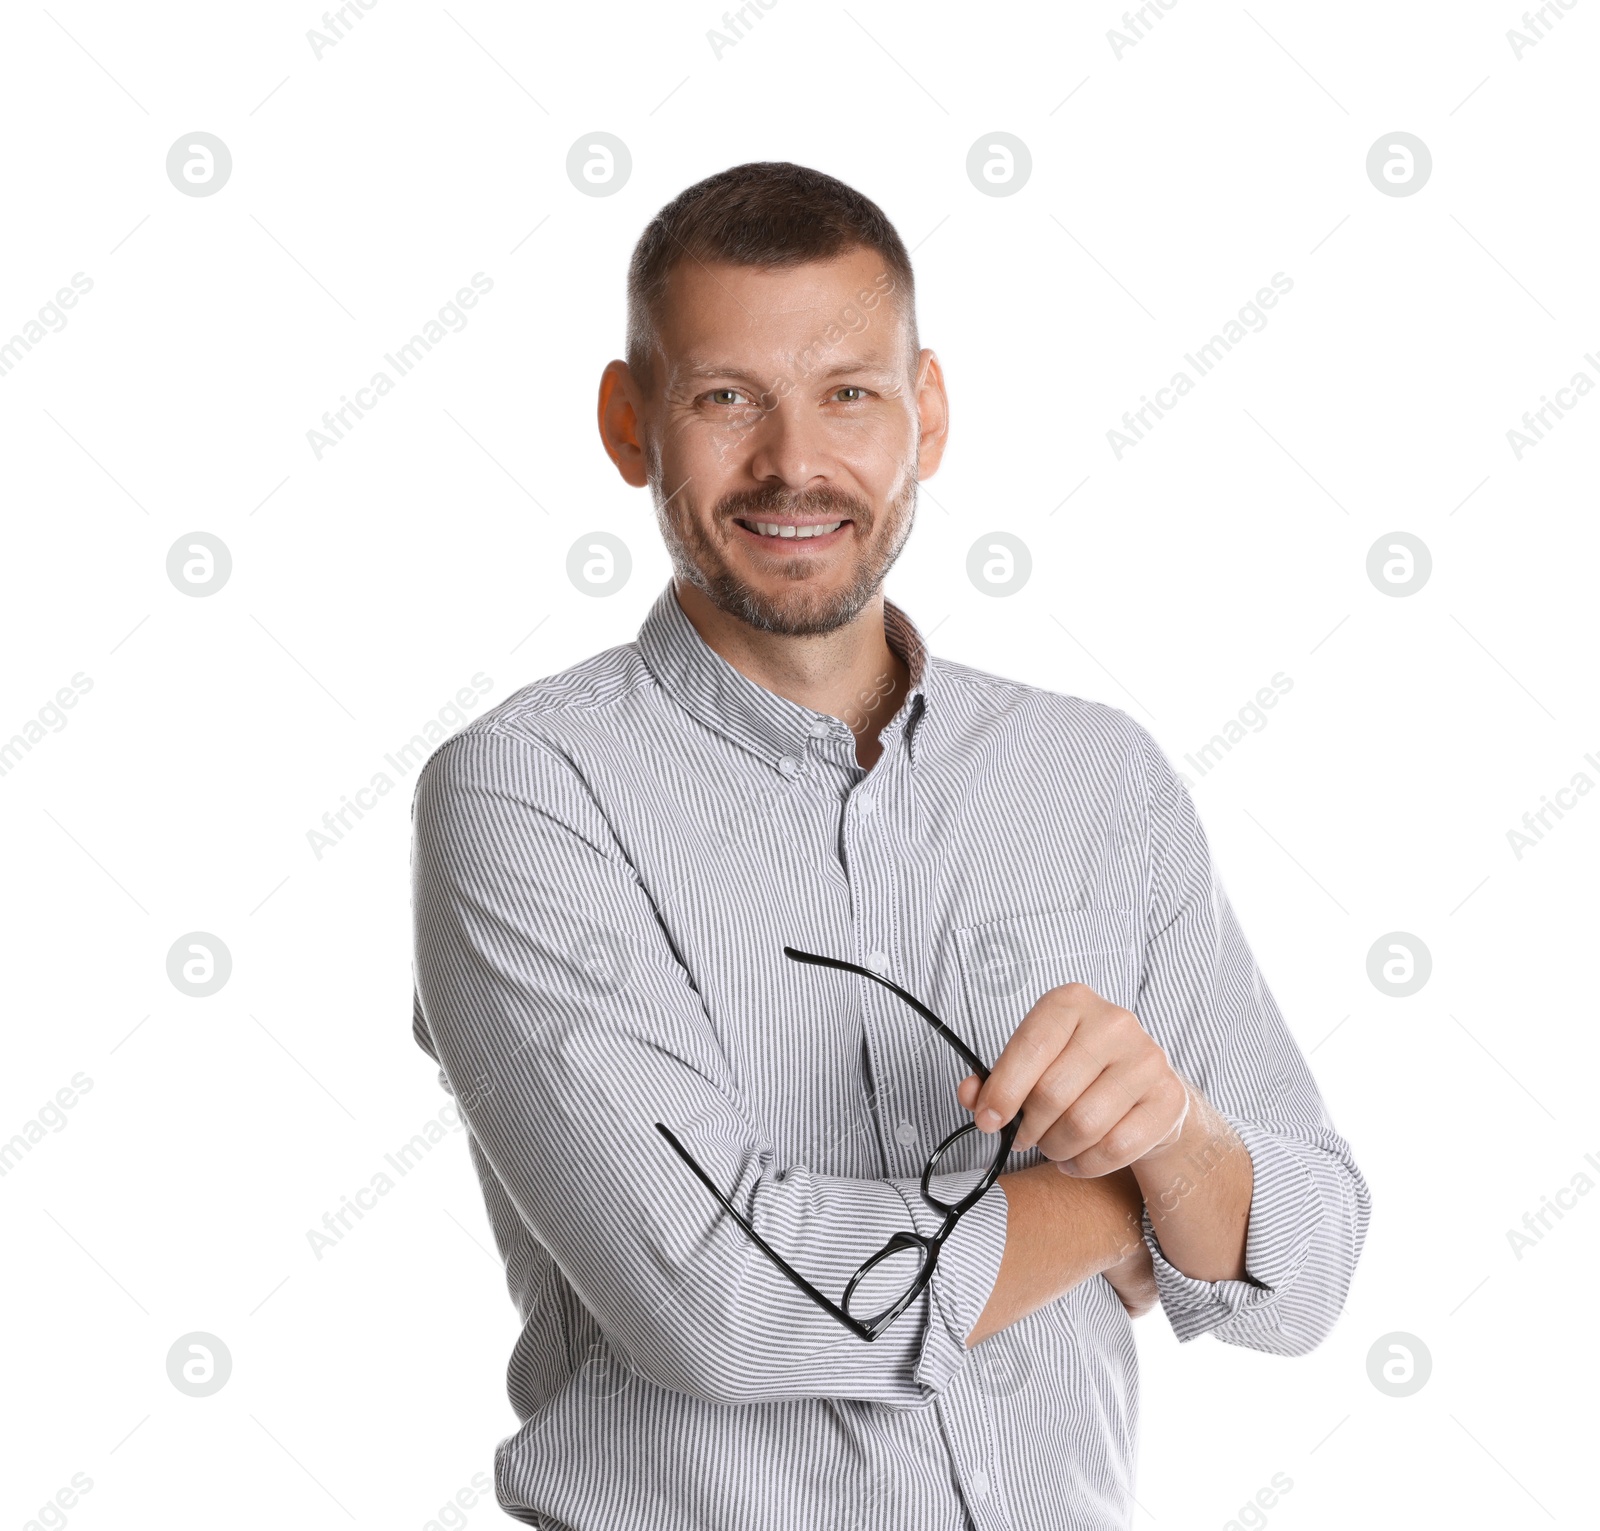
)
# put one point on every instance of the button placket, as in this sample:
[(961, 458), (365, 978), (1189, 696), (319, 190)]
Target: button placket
[(873, 894), (966, 1414), (900, 1036)]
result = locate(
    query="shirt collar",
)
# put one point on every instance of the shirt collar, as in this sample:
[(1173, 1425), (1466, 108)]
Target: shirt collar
[(770, 726)]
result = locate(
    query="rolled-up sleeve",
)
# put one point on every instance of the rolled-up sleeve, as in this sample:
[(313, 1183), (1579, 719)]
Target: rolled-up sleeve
[(969, 1264), (1203, 998), (567, 1027)]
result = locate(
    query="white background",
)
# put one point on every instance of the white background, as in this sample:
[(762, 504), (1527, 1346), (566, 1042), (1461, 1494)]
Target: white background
[(1168, 185)]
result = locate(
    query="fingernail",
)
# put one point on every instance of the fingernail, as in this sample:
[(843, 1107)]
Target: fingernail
[(988, 1119), (1067, 1167)]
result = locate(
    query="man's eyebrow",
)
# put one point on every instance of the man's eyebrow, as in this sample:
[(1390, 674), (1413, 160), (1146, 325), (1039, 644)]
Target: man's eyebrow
[(692, 370)]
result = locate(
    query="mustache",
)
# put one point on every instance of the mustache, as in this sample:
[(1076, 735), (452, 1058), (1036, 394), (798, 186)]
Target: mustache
[(810, 502)]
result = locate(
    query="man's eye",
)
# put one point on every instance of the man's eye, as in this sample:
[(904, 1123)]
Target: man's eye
[(851, 388), (716, 393)]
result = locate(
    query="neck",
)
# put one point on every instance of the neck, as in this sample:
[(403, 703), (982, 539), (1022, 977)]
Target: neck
[(849, 673)]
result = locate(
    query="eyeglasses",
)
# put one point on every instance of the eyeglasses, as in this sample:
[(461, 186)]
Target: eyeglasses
[(911, 1256)]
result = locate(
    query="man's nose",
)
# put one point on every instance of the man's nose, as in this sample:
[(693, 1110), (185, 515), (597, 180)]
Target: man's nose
[(786, 447)]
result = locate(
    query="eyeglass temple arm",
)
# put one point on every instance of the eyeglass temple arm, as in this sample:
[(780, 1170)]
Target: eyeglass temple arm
[(973, 1060), (857, 1328)]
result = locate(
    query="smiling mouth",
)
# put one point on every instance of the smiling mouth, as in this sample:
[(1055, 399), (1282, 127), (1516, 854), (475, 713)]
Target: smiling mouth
[(789, 531)]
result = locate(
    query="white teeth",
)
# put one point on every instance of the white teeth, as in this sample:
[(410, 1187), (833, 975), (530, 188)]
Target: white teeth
[(768, 530)]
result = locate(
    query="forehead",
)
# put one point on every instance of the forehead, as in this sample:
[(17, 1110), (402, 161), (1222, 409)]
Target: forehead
[(715, 313)]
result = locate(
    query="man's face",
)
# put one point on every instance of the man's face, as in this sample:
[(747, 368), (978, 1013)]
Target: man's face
[(786, 399)]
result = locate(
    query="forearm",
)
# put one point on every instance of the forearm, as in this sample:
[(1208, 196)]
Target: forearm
[(1059, 1233), (1198, 1190)]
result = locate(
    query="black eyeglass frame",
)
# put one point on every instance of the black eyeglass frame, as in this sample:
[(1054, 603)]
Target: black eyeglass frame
[(930, 1244)]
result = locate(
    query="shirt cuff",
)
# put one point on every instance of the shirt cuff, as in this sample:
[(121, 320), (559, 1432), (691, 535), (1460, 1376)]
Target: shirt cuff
[(1284, 1210), (969, 1263)]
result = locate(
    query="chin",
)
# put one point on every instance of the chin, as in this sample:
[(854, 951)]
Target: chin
[(818, 605)]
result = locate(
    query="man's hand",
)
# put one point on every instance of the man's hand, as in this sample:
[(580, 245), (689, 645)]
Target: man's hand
[(1095, 1089), (1098, 1096)]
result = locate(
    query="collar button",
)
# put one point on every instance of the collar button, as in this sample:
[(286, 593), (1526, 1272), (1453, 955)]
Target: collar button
[(790, 766)]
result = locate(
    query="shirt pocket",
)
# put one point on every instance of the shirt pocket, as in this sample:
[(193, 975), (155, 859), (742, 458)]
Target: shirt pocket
[(1007, 964)]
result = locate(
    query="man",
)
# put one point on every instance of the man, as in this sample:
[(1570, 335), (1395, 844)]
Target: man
[(609, 864)]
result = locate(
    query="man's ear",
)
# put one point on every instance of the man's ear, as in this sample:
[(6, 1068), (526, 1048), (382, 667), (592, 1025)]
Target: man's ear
[(621, 430), (933, 415)]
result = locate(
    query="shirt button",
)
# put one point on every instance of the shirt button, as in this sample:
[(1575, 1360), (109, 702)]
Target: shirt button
[(821, 728), (864, 802), (905, 1133), (877, 961), (980, 1484), (789, 766)]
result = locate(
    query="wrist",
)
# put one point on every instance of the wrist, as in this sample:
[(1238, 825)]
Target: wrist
[(1167, 1175)]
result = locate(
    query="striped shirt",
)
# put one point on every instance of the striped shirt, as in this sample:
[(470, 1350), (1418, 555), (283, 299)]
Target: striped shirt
[(606, 867)]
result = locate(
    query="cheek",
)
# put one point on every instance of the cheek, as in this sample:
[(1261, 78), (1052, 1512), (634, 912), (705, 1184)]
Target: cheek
[(878, 452), (709, 453)]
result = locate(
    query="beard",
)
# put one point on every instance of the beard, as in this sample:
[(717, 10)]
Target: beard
[(801, 607)]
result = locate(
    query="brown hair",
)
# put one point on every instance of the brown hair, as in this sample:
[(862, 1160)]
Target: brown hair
[(765, 213)]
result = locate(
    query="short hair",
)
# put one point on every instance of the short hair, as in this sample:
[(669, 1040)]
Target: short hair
[(765, 213)]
